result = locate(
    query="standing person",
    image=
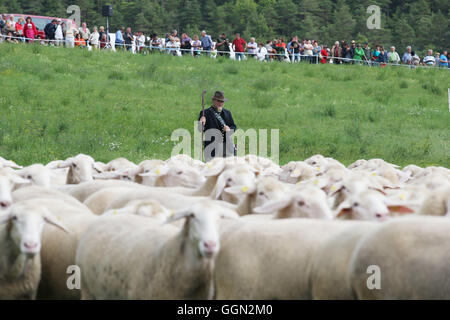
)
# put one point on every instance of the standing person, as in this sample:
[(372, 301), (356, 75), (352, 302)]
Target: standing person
[(128, 37), (352, 50), (196, 45), (85, 32), (239, 47), (70, 35), (119, 38), (252, 47), (367, 52), (79, 41), (29, 30), (49, 30), (393, 56), (407, 57), (19, 28), (216, 117), (10, 25), (94, 38), (140, 42), (156, 43), (206, 43), (323, 54), (59, 35), (294, 49), (2, 25), (316, 51), (428, 60), (336, 53), (359, 53), (223, 45), (185, 45), (261, 53), (308, 51), (443, 60)]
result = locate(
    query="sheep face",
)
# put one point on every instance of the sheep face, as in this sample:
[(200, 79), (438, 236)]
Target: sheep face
[(26, 225), (202, 226), (36, 174), (234, 184), (268, 189), (81, 169), (7, 180)]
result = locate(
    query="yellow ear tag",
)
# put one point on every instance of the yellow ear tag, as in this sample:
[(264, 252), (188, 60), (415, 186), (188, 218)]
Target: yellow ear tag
[(333, 188), (157, 171), (244, 189), (374, 174), (296, 171), (299, 182), (318, 168), (316, 182), (115, 212), (171, 213), (58, 218), (401, 196), (209, 165)]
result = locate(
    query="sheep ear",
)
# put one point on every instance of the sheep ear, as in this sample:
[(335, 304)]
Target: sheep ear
[(51, 220), (237, 190), (17, 179), (448, 208), (345, 208), (180, 215), (400, 209), (220, 186), (54, 164), (379, 190), (213, 170), (273, 206), (100, 167), (9, 163), (65, 164)]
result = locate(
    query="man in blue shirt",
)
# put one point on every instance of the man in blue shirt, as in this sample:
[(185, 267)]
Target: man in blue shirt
[(443, 61), (119, 38), (206, 42)]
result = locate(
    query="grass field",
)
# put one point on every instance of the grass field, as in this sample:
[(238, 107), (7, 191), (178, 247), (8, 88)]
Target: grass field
[(58, 102)]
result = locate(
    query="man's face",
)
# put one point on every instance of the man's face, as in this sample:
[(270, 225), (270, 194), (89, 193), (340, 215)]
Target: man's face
[(83, 24), (237, 36), (218, 104), (408, 50)]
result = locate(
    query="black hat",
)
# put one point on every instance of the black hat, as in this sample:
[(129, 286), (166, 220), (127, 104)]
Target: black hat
[(219, 96)]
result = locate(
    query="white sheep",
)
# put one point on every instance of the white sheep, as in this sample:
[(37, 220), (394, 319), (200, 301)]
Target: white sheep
[(8, 179), (300, 202), (295, 171), (437, 203), (147, 260), (20, 245), (8, 164), (407, 258), (144, 208), (266, 260), (370, 205), (81, 168)]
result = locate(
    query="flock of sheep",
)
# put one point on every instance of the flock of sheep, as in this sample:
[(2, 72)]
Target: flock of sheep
[(233, 228)]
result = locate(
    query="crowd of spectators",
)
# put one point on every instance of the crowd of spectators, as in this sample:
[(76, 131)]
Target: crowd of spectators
[(57, 33)]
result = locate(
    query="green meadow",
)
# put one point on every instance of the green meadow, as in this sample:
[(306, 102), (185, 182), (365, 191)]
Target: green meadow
[(57, 102)]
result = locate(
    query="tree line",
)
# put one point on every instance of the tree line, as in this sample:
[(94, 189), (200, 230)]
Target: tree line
[(422, 24)]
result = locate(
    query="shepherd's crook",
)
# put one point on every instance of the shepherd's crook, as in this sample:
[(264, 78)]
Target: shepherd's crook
[(203, 114)]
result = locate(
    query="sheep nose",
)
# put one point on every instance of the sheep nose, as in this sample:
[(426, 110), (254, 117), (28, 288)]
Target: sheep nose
[(30, 245), (210, 246), (5, 204)]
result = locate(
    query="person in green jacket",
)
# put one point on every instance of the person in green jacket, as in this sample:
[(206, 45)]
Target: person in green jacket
[(359, 53)]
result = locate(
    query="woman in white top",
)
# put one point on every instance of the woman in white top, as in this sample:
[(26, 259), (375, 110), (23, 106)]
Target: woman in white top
[(70, 35), (261, 52), (11, 24), (308, 50), (93, 38)]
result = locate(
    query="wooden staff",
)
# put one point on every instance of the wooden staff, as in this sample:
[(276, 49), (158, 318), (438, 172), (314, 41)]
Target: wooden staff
[(203, 114)]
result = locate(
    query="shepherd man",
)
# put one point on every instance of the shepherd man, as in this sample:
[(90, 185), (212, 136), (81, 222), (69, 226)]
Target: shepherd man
[(218, 125)]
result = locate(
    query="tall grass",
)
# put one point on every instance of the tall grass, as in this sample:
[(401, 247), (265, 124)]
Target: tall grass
[(57, 102)]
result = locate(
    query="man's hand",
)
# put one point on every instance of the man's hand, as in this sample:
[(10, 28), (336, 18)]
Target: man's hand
[(226, 128), (203, 120)]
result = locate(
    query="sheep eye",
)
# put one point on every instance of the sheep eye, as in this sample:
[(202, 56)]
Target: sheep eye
[(74, 165), (14, 218), (145, 171), (179, 172), (229, 180), (261, 193), (301, 203), (314, 163), (356, 204), (29, 177)]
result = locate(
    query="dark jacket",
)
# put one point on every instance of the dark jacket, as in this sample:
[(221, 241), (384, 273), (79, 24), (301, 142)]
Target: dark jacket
[(50, 30), (213, 123)]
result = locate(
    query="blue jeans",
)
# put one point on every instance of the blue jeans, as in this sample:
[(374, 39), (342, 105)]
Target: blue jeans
[(239, 56), (207, 49)]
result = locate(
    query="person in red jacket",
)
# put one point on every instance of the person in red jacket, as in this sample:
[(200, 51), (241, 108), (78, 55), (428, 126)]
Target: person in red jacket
[(323, 54), (239, 46), (29, 30)]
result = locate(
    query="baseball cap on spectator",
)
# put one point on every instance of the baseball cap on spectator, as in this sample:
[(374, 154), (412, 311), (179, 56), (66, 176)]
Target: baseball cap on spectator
[(58, 20), (353, 41)]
